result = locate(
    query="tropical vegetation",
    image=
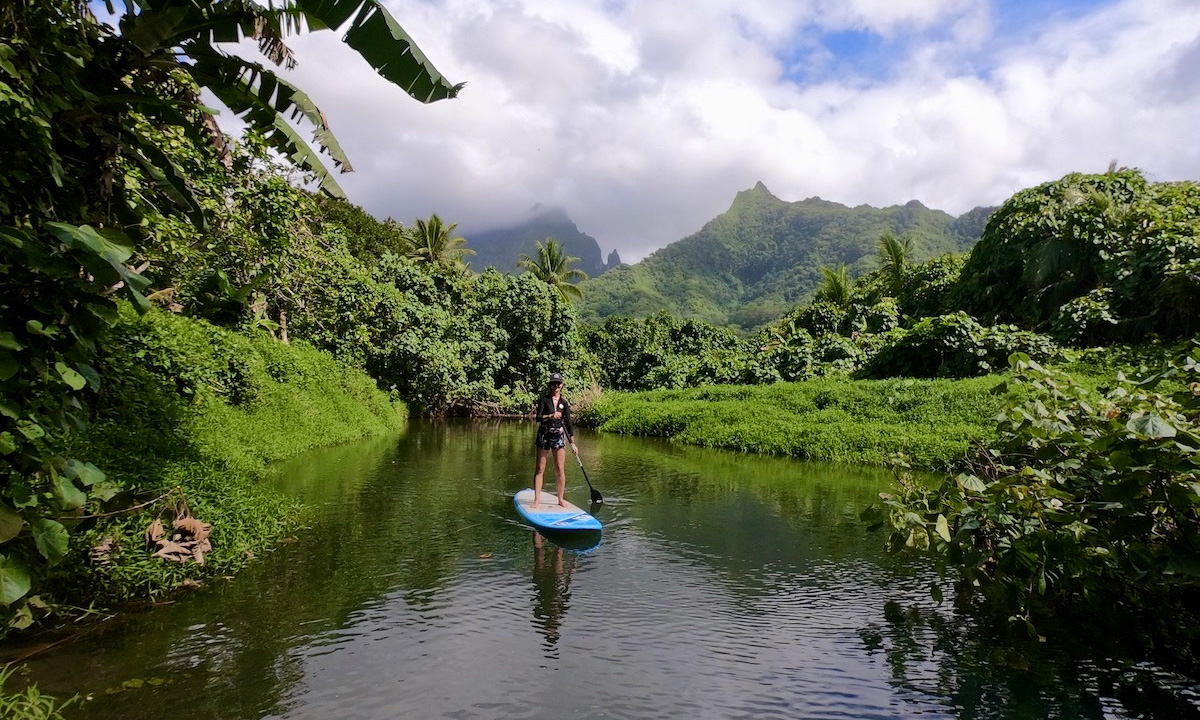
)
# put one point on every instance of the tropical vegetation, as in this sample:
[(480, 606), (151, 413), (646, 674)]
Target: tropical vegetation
[(113, 171), (433, 241), (177, 312), (936, 423), (554, 267)]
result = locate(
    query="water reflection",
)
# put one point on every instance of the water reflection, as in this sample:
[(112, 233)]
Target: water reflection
[(552, 570)]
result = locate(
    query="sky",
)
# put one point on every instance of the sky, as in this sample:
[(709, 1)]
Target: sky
[(644, 118)]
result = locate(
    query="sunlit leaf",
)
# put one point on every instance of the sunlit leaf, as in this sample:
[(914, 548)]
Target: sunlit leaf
[(1150, 425), (69, 496), (943, 528), (86, 473), (14, 580), (51, 538), (70, 376)]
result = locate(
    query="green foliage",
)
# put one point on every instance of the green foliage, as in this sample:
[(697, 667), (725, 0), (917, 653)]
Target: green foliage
[(1131, 248), (208, 410), (1087, 495), (818, 318), (855, 421), (432, 241), (664, 352), (894, 256), (107, 149), (925, 288), (28, 704), (880, 317), (952, 346), (553, 267), (835, 287)]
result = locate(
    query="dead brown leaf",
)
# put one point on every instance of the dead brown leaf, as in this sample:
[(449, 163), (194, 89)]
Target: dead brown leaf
[(155, 532)]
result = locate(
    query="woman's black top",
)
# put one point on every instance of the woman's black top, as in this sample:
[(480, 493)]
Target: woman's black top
[(545, 408)]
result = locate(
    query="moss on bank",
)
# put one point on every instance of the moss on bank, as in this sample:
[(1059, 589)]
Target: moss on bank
[(934, 422), (197, 413)]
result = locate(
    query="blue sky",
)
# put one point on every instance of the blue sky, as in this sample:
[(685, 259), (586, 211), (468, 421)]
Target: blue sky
[(643, 118)]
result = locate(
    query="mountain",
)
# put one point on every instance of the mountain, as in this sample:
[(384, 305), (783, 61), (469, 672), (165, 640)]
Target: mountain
[(751, 264), (501, 248)]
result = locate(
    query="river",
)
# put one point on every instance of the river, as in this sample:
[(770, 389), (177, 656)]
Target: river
[(723, 586)]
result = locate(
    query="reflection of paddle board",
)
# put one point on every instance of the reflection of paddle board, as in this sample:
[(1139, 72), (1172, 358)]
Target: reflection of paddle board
[(551, 516)]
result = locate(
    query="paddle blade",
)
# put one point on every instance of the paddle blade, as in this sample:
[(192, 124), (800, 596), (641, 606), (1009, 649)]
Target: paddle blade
[(597, 498)]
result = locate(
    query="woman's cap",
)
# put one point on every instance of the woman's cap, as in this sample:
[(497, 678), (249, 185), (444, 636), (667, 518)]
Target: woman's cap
[(555, 378)]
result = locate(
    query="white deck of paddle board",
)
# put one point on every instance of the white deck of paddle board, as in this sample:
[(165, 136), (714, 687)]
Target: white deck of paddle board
[(547, 503)]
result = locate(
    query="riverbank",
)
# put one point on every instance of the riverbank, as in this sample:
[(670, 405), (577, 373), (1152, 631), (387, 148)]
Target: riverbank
[(189, 420), (935, 423)]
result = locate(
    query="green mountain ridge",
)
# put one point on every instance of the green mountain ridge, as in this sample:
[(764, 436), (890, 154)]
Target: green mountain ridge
[(501, 248), (751, 264)]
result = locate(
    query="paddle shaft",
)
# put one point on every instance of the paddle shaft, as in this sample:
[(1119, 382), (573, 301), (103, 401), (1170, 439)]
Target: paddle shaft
[(596, 496)]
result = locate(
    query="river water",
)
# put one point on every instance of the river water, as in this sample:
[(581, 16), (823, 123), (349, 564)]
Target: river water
[(723, 586)]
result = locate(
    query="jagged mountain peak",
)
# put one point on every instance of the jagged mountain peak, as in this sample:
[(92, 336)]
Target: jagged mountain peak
[(501, 247)]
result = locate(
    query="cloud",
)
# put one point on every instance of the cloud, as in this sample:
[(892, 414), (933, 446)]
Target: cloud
[(643, 120)]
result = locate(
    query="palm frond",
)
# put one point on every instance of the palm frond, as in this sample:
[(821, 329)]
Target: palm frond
[(380, 40)]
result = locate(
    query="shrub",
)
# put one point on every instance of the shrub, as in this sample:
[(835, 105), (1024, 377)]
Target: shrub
[(952, 346), (1086, 495), (1085, 321), (664, 352), (1050, 245)]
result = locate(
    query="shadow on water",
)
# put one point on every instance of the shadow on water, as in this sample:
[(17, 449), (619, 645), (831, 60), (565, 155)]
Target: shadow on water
[(723, 585)]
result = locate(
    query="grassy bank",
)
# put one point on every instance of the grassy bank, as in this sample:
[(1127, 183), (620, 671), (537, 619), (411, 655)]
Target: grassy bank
[(934, 422), (196, 413)]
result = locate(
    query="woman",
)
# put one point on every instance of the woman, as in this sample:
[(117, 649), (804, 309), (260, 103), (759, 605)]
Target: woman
[(555, 430)]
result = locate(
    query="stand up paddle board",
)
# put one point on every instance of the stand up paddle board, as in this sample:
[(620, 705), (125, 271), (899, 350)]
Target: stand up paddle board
[(551, 516)]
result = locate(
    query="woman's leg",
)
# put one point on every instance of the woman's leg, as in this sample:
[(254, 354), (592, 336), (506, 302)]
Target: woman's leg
[(560, 473), (539, 469)]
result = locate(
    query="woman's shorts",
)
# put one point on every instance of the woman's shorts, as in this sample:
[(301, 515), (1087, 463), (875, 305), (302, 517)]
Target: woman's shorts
[(548, 441)]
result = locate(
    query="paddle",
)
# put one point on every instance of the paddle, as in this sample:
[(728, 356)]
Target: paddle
[(597, 498)]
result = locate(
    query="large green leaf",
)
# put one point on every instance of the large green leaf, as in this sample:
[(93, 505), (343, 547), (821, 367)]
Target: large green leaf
[(1150, 425), (14, 580), (9, 365), (252, 90), (86, 473), (155, 28), (70, 376), (943, 527), (380, 40), (51, 538), (11, 523), (110, 244), (274, 128), (167, 175), (69, 496)]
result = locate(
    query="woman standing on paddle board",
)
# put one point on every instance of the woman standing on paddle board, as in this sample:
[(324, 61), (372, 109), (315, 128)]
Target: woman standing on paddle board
[(555, 431)]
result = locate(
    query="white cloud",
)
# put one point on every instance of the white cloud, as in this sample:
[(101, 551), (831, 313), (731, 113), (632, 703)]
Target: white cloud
[(644, 119)]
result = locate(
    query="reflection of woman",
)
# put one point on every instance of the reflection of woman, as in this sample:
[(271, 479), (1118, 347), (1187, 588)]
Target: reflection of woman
[(552, 572), (555, 431)]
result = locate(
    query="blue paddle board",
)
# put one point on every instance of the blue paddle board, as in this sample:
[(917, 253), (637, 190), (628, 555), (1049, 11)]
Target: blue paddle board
[(549, 515)]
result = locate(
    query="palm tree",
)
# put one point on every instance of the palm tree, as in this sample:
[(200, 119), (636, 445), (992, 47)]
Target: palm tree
[(553, 267), (835, 286), (433, 241), (894, 254)]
